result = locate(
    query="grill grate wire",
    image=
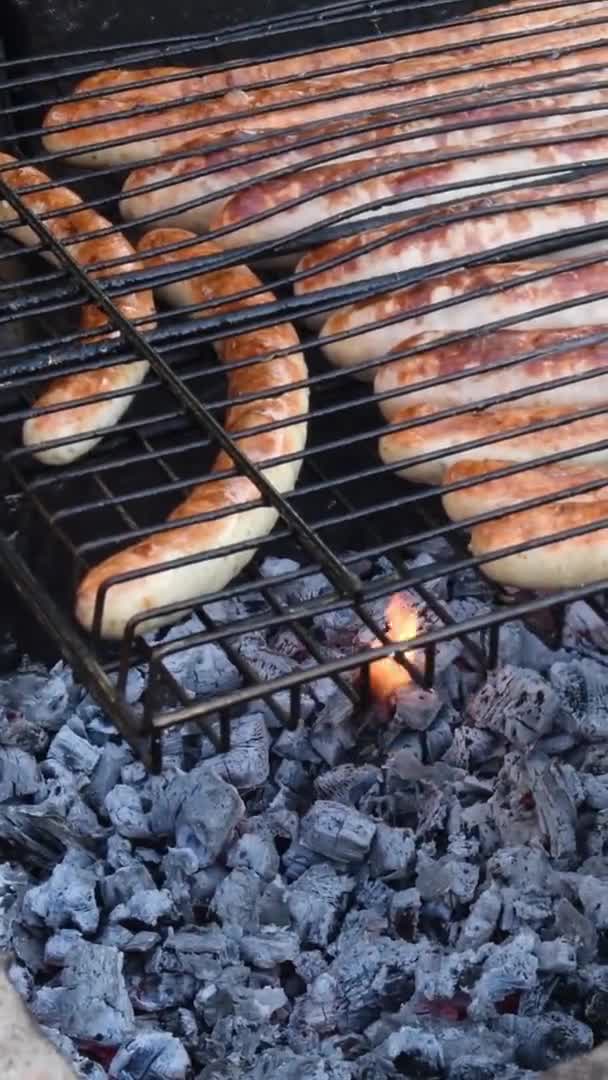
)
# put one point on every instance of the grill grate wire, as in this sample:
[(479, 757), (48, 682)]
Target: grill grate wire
[(163, 445)]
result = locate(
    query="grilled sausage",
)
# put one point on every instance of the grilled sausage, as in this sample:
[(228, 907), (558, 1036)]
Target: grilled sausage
[(76, 422), (480, 360), (461, 310), (575, 561), (505, 492), (566, 563), (173, 190), (180, 82), (469, 228), (445, 438), (100, 131), (350, 188), (278, 399)]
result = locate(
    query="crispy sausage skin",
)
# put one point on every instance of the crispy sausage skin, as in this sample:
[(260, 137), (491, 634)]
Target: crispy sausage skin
[(278, 398), (77, 422)]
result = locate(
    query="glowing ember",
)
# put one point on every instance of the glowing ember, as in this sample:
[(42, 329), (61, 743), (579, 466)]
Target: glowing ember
[(386, 676)]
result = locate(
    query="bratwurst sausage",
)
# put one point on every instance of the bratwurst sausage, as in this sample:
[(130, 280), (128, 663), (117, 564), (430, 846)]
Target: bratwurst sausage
[(75, 422), (475, 369), (173, 83), (471, 227), (438, 442), (455, 307), (308, 199), (577, 560), (191, 191), (278, 399), (99, 133)]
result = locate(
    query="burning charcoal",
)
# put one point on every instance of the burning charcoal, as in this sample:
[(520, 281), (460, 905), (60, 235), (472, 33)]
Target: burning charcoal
[(482, 920), (314, 1013), (558, 743), (393, 853), (545, 1040), (207, 816), (14, 883), (147, 906), (203, 953), (42, 697), (582, 686), (236, 898), (257, 853), (296, 746), (375, 895), (453, 880), (473, 747), (272, 567), (437, 740), (143, 942), (59, 946), (347, 783), (269, 947), (593, 895), (258, 1005), (182, 1024), (126, 812), (555, 807), (293, 775), (115, 937), (519, 646), (204, 669), (372, 974), (265, 664), (246, 764), (507, 969), (416, 708), (414, 1051), (74, 752), (337, 832), (67, 898), (117, 888), (272, 908), (577, 929), (405, 913), (316, 901), (205, 882), (106, 773), (583, 628), (151, 1055), (595, 791), (90, 1003), (517, 704), (331, 735), (179, 867), (523, 867), (557, 957), (19, 774), (118, 851), (41, 833), (152, 993)]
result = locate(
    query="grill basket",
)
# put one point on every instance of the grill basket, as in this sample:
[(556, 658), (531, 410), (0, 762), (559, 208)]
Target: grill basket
[(350, 518)]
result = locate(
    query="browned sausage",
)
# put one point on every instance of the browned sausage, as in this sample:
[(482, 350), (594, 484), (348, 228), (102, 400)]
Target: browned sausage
[(75, 423), (277, 398)]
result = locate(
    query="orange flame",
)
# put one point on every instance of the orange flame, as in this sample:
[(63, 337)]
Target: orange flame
[(387, 676)]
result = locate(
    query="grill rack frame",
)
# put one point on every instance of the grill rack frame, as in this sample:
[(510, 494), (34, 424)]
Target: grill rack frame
[(109, 682)]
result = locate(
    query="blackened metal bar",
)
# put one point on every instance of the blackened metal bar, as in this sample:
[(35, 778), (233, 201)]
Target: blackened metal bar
[(350, 663)]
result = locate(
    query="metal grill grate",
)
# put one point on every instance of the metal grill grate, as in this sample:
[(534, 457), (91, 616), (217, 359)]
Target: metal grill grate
[(349, 514)]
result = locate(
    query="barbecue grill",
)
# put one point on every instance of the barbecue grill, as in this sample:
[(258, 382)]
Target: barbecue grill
[(350, 519)]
